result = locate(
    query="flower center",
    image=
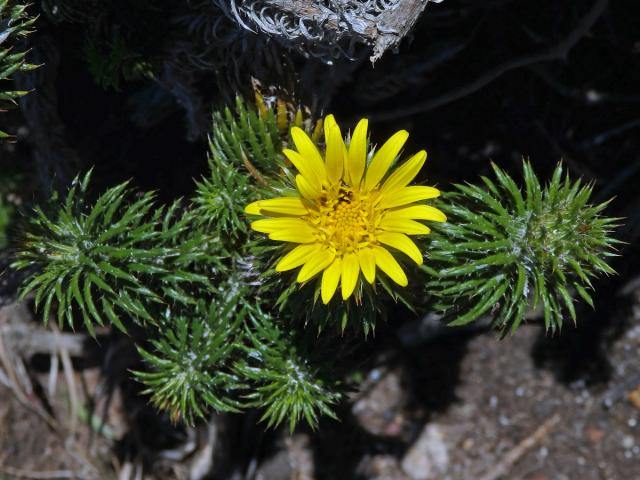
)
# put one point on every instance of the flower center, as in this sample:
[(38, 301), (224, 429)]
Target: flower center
[(345, 219)]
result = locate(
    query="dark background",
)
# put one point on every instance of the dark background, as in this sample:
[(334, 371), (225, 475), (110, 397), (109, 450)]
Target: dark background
[(492, 99)]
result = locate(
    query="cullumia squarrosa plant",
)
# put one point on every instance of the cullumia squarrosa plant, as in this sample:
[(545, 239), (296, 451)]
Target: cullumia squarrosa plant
[(227, 310), (14, 25)]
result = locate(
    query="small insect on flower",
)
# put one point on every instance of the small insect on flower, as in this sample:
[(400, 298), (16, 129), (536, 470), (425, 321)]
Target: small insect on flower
[(349, 208)]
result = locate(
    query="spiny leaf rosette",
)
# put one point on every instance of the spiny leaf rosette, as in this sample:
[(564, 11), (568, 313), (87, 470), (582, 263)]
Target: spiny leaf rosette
[(350, 211), (507, 251)]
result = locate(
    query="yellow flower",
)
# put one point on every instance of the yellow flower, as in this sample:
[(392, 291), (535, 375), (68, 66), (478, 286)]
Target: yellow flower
[(348, 211)]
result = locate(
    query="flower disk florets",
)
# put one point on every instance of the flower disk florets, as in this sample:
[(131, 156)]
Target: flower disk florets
[(345, 220), (350, 209)]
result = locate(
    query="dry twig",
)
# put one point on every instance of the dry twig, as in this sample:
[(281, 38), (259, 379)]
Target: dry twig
[(513, 456), (28, 338)]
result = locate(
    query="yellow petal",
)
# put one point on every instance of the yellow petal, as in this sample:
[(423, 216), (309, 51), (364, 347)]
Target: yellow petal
[(330, 279), (297, 257), (292, 236), (390, 266), (305, 167), (405, 173), (281, 205), (383, 159), (315, 264), (357, 153), (401, 242), (367, 264), (253, 208), (329, 121), (309, 152), (286, 229), (335, 151), (408, 195), (350, 272), (403, 225), (270, 225), (306, 189), (418, 212)]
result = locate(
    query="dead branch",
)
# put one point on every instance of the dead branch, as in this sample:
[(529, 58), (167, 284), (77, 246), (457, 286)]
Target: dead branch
[(393, 25), (383, 32)]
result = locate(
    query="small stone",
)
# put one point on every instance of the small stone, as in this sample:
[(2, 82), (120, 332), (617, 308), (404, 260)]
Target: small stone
[(628, 441), (634, 397), (380, 409), (276, 467), (428, 457), (381, 467), (504, 421), (634, 333), (300, 457), (593, 96), (595, 435)]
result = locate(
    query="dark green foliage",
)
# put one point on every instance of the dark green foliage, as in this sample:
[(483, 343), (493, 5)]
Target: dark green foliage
[(113, 260), (125, 259), (122, 40), (244, 148), (114, 62), (191, 362), (14, 24), (504, 251), (286, 380), (6, 212), (303, 303), (8, 184)]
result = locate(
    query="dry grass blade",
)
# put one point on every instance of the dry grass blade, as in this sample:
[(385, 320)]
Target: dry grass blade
[(53, 474)]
